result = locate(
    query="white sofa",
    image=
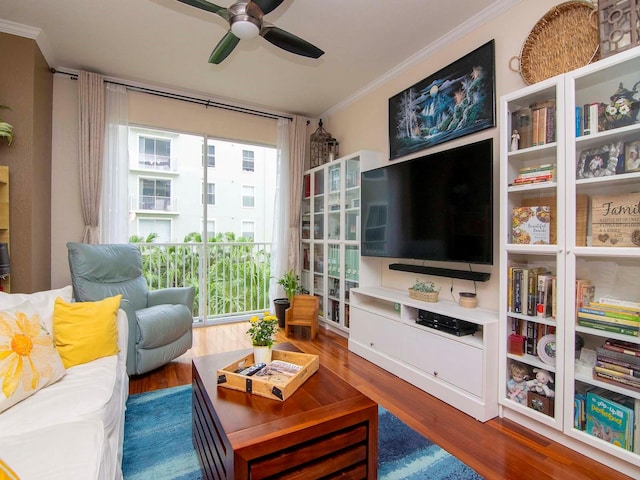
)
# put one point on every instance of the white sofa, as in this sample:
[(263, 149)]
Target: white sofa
[(74, 428)]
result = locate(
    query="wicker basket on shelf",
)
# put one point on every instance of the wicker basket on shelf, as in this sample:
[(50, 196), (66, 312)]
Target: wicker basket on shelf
[(424, 296)]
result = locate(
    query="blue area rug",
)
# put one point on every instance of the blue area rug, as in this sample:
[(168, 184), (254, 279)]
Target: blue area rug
[(158, 445)]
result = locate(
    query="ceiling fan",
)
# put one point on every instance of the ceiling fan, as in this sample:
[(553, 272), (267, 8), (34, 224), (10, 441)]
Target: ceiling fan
[(246, 21)]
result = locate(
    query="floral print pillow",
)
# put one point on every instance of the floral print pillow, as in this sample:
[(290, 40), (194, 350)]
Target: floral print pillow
[(28, 358)]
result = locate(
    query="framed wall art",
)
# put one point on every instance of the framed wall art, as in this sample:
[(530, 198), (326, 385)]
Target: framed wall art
[(456, 101), (600, 161)]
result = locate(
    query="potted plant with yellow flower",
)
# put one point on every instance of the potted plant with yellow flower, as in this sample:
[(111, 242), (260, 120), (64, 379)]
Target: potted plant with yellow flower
[(262, 331)]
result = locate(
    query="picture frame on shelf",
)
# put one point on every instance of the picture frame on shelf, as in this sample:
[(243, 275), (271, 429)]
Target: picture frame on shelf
[(601, 161), (457, 100), (632, 156)]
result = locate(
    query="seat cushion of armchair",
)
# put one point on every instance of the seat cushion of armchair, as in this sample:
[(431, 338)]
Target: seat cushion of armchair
[(162, 324)]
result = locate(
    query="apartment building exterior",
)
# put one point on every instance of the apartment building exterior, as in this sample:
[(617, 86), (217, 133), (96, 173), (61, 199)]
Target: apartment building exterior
[(177, 188)]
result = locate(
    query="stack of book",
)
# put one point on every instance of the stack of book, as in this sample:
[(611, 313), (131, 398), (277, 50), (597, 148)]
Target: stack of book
[(618, 363), (590, 119), (610, 316), (535, 124), (537, 174), (611, 417), (531, 291)]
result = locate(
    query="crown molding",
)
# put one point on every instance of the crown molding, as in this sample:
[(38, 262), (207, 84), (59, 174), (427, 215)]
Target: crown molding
[(33, 33), (19, 29), (497, 8)]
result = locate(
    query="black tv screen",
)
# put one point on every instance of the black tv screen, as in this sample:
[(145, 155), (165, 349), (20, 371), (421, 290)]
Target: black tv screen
[(437, 207)]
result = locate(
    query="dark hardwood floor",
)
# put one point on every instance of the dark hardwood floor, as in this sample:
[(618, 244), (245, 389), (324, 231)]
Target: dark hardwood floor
[(498, 449)]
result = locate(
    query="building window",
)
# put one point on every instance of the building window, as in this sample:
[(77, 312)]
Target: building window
[(248, 196), (161, 227), (154, 153), (211, 193), (211, 155), (155, 194), (248, 163), (248, 230), (211, 229)]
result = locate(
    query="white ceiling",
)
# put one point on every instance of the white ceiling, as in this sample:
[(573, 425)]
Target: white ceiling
[(166, 44)]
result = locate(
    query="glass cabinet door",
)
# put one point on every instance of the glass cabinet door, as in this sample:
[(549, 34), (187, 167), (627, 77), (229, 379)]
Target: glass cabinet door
[(603, 258), (306, 209), (318, 205), (330, 234), (532, 263), (333, 202), (352, 200)]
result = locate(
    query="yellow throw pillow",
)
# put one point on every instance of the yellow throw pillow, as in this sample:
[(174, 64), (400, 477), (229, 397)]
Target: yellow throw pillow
[(6, 473), (86, 331), (28, 359)]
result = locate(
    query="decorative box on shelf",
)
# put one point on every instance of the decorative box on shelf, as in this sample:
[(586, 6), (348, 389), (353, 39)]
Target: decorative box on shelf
[(615, 220), (273, 383)]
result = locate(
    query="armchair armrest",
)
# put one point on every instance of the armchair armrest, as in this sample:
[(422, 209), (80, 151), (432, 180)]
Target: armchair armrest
[(123, 331), (173, 296), (132, 322)]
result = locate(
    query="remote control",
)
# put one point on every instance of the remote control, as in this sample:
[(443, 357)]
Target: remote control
[(253, 369)]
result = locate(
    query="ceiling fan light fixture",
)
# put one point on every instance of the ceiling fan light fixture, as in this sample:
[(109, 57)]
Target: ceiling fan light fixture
[(245, 28)]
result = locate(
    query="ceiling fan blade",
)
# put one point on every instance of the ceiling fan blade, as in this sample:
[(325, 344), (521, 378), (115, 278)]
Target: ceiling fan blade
[(209, 7), (268, 5), (224, 48), (289, 42)]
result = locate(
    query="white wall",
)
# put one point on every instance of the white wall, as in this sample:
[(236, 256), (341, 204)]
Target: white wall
[(363, 124)]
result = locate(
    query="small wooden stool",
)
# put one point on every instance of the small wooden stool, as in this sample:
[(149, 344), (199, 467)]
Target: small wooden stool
[(302, 312)]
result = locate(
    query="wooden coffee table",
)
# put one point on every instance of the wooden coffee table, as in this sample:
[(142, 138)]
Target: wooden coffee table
[(325, 428)]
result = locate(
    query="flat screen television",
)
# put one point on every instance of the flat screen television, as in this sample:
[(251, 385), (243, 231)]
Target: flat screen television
[(437, 207)]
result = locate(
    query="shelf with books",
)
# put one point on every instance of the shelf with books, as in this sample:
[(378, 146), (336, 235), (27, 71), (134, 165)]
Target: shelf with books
[(531, 258), (330, 233), (593, 251), (602, 167)]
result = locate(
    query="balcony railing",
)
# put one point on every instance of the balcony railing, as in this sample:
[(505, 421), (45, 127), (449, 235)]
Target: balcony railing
[(155, 162), (231, 278), (154, 203)]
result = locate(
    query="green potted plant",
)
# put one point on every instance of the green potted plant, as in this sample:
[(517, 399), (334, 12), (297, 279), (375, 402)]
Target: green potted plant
[(290, 282), (425, 291), (6, 129)]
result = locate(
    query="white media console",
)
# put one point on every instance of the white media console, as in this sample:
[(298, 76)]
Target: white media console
[(460, 370)]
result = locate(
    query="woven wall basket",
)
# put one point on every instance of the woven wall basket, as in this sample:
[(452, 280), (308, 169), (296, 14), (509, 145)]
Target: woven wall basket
[(564, 39)]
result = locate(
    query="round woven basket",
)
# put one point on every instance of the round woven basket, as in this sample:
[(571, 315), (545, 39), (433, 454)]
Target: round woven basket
[(424, 296), (564, 39)]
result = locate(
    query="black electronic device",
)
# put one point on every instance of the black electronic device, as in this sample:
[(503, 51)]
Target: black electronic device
[(252, 370), (444, 322), (451, 331), (436, 207)]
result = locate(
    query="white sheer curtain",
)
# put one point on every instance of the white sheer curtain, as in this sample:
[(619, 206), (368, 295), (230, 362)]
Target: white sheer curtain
[(281, 211), (114, 208), (91, 146)]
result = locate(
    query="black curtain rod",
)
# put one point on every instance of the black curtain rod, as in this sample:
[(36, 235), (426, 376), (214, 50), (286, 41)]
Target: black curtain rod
[(184, 98)]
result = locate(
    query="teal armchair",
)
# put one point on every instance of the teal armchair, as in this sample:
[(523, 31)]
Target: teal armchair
[(160, 321)]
